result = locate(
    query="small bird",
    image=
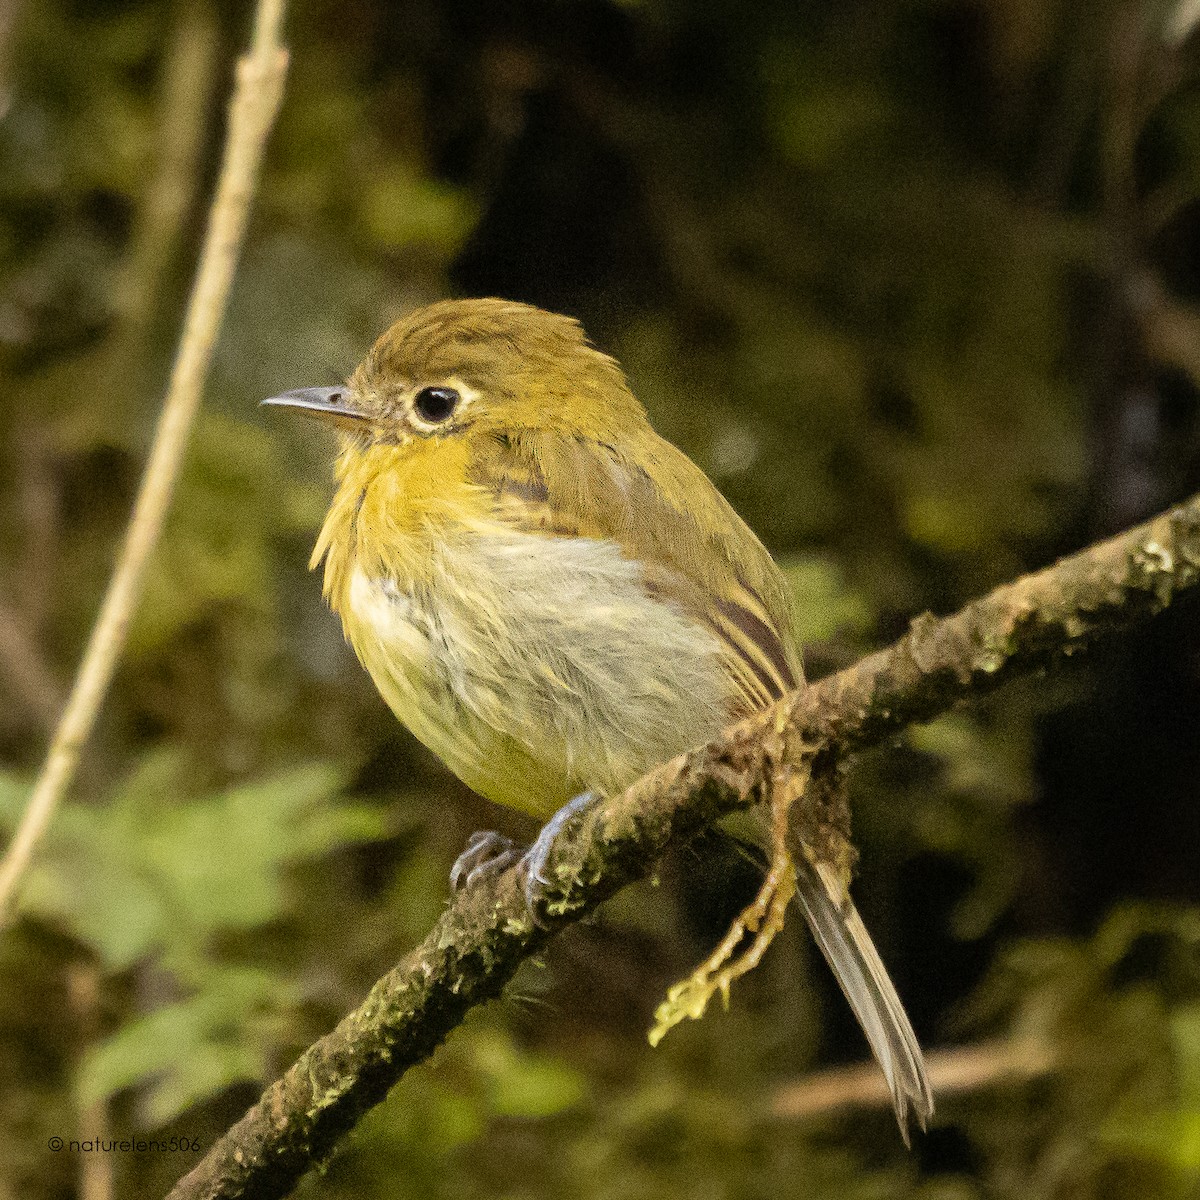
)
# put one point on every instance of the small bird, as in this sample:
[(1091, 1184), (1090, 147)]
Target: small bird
[(553, 598)]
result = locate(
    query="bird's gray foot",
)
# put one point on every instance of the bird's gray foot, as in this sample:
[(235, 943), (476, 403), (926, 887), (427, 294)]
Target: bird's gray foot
[(486, 851), (533, 862)]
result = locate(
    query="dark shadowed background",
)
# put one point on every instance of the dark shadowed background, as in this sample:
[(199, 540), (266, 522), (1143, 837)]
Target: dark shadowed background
[(917, 282)]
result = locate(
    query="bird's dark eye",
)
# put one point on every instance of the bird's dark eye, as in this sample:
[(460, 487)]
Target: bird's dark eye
[(435, 404)]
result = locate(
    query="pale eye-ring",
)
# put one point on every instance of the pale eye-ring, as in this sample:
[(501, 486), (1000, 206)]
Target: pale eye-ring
[(435, 404)]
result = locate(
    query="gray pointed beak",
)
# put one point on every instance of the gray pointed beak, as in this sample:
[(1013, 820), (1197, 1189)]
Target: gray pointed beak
[(337, 405)]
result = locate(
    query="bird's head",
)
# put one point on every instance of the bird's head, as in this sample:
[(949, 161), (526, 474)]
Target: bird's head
[(475, 368)]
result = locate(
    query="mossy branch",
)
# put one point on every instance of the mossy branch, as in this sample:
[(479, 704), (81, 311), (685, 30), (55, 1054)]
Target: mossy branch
[(485, 933)]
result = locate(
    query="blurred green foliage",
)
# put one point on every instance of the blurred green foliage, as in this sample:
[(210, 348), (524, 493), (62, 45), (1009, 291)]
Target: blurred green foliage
[(914, 281), (144, 885)]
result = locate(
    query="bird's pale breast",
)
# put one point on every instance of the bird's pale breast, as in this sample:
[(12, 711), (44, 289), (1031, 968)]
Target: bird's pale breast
[(538, 666)]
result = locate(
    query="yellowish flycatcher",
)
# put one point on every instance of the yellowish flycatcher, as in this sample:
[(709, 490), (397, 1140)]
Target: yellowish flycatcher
[(552, 597)]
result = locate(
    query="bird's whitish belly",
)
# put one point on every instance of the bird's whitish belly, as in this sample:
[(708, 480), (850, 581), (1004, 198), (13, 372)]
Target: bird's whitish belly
[(537, 667)]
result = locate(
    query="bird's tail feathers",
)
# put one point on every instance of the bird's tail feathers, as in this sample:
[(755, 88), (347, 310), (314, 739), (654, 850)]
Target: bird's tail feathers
[(855, 962)]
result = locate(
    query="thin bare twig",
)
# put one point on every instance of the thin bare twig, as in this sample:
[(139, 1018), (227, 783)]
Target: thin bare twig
[(188, 77), (1180, 23), (189, 73), (486, 931), (953, 1072), (252, 112)]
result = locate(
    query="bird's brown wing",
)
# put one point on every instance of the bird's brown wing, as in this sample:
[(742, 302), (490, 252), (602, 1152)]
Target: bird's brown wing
[(663, 512)]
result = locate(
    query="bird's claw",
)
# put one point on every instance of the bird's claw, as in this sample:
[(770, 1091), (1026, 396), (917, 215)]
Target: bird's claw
[(486, 851), (532, 867)]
